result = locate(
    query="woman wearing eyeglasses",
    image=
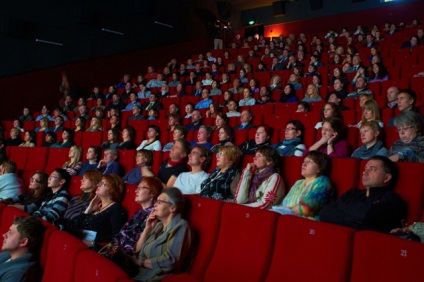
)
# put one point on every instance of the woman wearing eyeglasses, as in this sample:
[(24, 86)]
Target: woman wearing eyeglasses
[(104, 215), (123, 243), (292, 145), (165, 243), (31, 200), (307, 196), (410, 147), (222, 182), (261, 184)]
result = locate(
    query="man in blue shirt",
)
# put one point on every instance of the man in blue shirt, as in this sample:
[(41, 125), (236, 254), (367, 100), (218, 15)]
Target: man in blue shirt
[(205, 102), (21, 246)]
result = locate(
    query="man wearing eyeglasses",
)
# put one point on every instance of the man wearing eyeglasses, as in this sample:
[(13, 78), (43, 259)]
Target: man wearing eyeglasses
[(55, 204), (10, 185), (377, 207)]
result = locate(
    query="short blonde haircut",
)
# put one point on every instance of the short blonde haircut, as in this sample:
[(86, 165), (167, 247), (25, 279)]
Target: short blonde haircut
[(233, 153)]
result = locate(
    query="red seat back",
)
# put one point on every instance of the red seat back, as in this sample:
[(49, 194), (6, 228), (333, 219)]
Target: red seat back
[(297, 236), (379, 257)]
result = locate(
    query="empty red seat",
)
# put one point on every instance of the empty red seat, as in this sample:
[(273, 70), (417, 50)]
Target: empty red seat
[(37, 158), (129, 200), (92, 267), (19, 155), (62, 252), (75, 186), (127, 159), (57, 157), (91, 139), (344, 174), (380, 257), (296, 237), (237, 257)]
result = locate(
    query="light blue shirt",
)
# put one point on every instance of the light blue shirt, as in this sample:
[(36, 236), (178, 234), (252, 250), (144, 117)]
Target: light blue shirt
[(203, 104)]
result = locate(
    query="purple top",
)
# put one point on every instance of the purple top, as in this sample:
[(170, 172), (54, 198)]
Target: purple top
[(341, 149)]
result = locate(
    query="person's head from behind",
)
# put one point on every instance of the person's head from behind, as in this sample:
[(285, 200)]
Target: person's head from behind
[(409, 125), (25, 235), (111, 187), (199, 156), (179, 150), (59, 178), (144, 158), (169, 203), (316, 164), (380, 171), (267, 157), (148, 190), (8, 166)]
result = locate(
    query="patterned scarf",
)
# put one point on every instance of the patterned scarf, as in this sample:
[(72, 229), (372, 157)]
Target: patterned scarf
[(257, 180)]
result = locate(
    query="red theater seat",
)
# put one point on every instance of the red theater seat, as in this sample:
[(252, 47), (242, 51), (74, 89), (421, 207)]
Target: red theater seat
[(299, 237), (129, 200), (57, 157), (61, 257), (379, 257), (204, 218), (344, 174), (237, 257), (7, 216), (75, 186), (92, 267), (127, 159), (19, 155), (37, 158)]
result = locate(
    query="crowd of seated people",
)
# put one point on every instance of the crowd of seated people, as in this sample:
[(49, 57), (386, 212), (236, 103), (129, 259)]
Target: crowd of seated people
[(227, 90)]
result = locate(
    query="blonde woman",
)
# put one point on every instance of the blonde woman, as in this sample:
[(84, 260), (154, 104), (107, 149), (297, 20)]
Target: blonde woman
[(44, 125), (312, 94), (74, 165), (95, 125), (370, 112)]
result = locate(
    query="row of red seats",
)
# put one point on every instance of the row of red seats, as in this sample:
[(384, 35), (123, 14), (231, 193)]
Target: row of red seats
[(345, 174), (238, 243), (64, 257)]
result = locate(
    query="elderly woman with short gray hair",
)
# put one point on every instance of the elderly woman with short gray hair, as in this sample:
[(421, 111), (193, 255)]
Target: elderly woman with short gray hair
[(410, 147)]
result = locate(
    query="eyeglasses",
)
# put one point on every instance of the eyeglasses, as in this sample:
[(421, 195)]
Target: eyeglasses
[(160, 201), (221, 154), (290, 128), (403, 129), (103, 183), (32, 179)]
